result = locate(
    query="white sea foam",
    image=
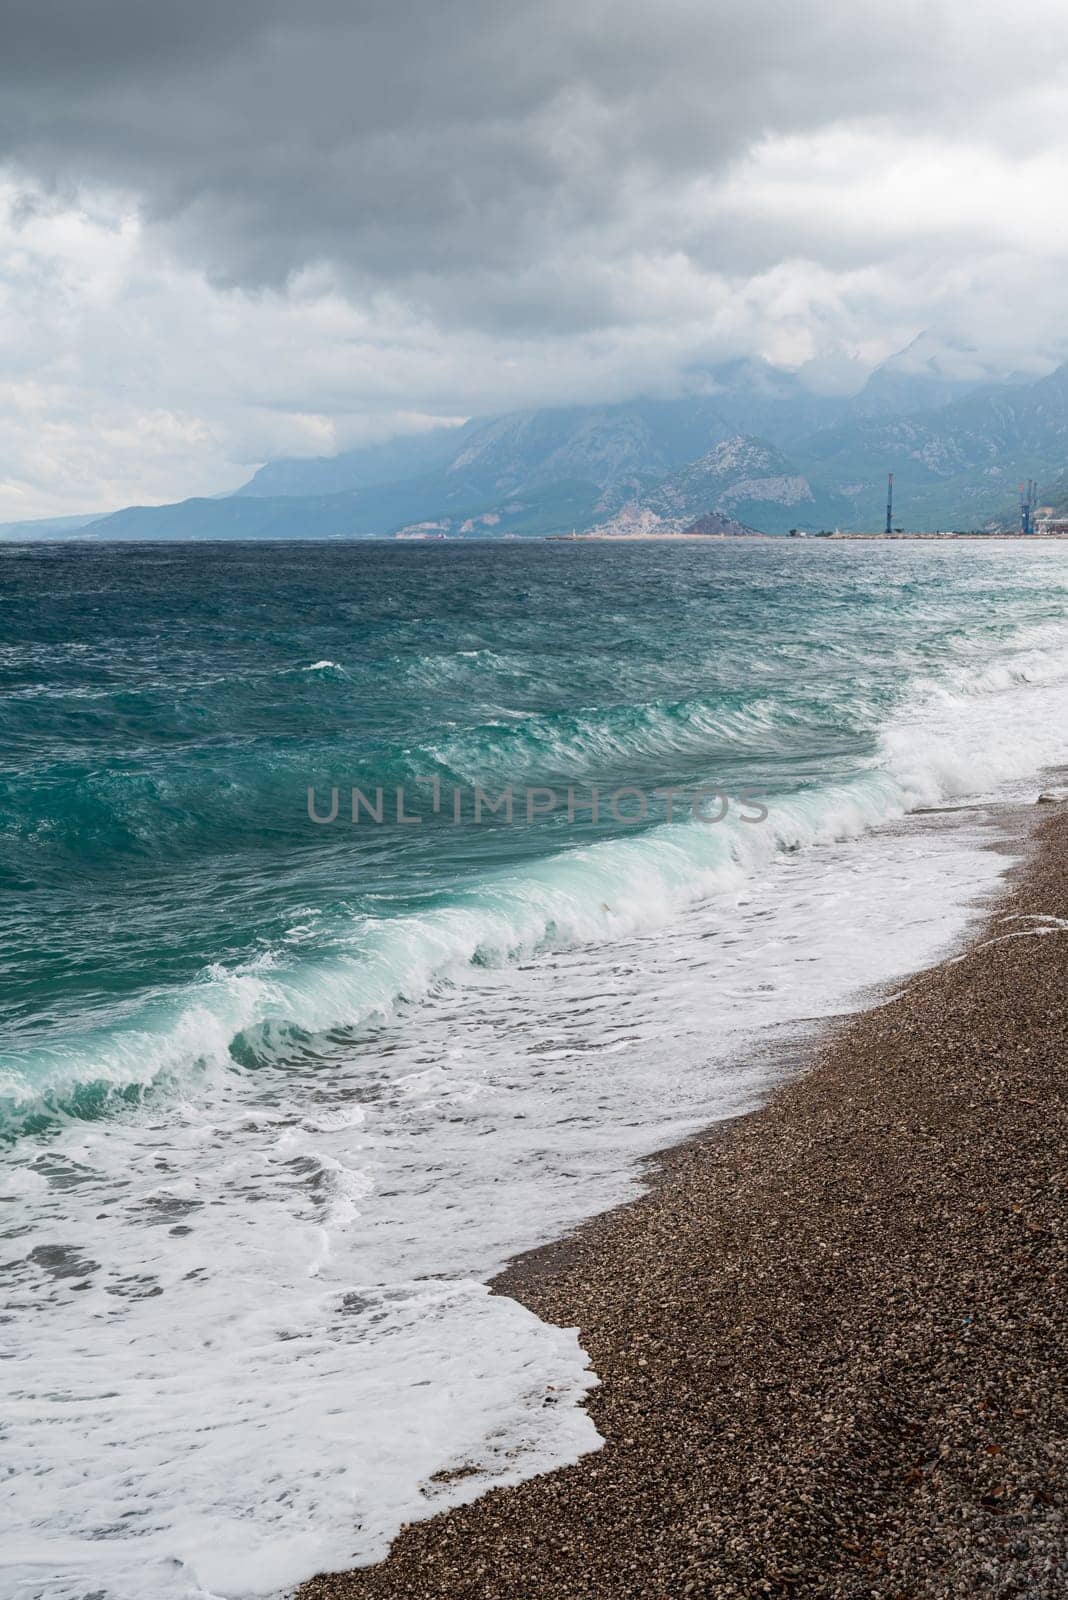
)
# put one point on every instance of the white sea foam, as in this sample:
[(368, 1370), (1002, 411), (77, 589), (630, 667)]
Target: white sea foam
[(252, 1327), (249, 1329), (229, 1440), (991, 726)]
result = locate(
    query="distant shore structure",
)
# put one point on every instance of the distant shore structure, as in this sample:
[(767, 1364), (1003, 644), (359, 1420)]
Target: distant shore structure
[(1054, 530), (1036, 522)]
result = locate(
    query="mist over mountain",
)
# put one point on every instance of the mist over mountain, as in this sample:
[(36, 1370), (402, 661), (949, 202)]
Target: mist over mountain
[(602, 443), (409, 456), (753, 443)]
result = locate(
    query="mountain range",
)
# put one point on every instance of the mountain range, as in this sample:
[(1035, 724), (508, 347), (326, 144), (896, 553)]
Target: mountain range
[(754, 445)]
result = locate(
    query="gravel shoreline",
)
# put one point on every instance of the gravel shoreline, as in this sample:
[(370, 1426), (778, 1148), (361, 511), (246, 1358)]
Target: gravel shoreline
[(831, 1337)]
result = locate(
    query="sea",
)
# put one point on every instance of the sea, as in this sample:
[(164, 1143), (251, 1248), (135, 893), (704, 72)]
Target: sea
[(281, 1090)]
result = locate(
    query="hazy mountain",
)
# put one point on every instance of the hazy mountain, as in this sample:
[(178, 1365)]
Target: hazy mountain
[(495, 455), (492, 456), (744, 478), (419, 509), (755, 444), (599, 444), (929, 373), (410, 456), (602, 443), (737, 476), (955, 466), (47, 527), (352, 515)]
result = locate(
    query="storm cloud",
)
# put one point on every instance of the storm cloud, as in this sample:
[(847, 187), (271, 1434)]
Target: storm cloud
[(283, 227)]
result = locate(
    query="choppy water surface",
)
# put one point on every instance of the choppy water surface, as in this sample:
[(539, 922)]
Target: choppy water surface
[(277, 1098)]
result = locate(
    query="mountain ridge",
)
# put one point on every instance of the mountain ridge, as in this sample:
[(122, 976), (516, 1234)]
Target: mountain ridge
[(956, 463), (651, 434)]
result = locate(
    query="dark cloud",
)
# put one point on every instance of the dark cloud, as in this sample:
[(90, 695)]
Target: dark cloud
[(259, 227), (436, 149)]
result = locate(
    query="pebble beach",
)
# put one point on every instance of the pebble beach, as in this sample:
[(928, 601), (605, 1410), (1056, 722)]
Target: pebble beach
[(830, 1335)]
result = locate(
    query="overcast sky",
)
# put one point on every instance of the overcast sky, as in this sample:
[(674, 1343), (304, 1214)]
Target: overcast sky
[(234, 229)]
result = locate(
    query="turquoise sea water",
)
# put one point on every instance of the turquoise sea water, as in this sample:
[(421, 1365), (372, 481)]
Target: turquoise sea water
[(256, 1070), (164, 711)]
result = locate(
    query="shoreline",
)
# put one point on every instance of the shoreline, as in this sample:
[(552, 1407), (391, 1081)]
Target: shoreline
[(829, 1334), (826, 538)]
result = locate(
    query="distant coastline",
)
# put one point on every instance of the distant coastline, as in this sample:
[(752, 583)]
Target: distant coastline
[(741, 538), (660, 538), (1024, 538)]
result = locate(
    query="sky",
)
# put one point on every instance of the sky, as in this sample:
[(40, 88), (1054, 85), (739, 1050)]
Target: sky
[(237, 229)]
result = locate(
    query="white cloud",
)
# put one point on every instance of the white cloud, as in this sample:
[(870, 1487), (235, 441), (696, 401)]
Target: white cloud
[(282, 232)]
